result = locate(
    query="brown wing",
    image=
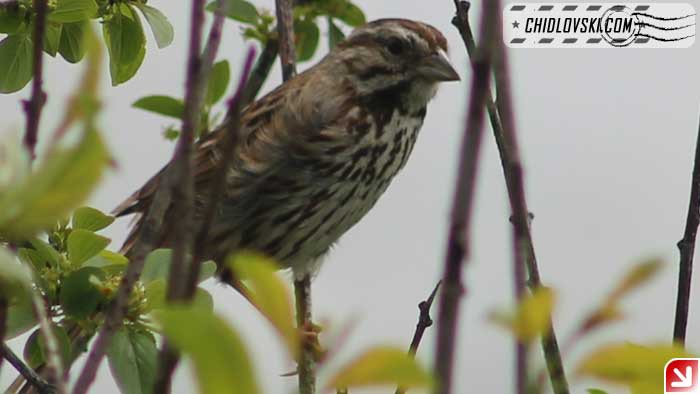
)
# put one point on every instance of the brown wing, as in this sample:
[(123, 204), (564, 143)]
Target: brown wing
[(288, 124)]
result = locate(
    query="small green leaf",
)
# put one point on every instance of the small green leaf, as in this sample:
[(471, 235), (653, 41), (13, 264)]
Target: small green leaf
[(132, 357), (157, 265), (382, 366), (15, 277), (126, 43), (72, 46), (218, 82), (79, 296), (222, 366), (160, 25), (15, 62), (596, 391), (171, 134), (90, 219), (12, 17), (32, 257), (111, 263), (532, 317), (20, 317), (35, 352), (307, 36), (52, 38), (240, 10), (350, 14), (207, 271), (68, 11), (62, 181), (269, 293), (47, 252), (164, 105), (335, 35), (83, 244)]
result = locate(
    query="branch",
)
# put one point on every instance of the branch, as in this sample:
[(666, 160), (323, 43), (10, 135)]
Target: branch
[(458, 244), (306, 364), (424, 321), (35, 104), (686, 246), (42, 386), (550, 345), (218, 182), (54, 363), (3, 322), (285, 32), (260, 72)]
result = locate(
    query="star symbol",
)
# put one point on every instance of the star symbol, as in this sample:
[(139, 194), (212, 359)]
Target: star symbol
[(516, 24)]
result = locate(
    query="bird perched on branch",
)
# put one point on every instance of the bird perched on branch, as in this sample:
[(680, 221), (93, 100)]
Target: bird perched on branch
[(315, 154)]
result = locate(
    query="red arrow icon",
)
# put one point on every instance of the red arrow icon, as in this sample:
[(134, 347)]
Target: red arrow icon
[(681, 376)]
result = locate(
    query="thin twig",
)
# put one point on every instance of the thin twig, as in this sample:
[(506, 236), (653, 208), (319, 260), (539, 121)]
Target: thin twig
[(459, 238), (3, 323), (54, 363), (424, 321), (686, 246), (42, 386), (260, 72), (550, 346), (307, 363), (198, 67), (285, 32), (218, 183), (35, 104)]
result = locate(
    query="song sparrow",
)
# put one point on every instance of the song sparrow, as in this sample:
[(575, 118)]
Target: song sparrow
[(315, 154)]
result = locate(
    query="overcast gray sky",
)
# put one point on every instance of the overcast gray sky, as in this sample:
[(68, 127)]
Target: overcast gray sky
[(607, 139)]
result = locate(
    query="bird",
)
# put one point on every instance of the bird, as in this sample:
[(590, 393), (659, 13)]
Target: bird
[(316, 153)]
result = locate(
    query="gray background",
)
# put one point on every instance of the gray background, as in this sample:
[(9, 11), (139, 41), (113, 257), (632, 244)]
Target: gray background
[(607, 139)]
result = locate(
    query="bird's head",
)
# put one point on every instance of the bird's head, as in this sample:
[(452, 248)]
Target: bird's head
[(393, 53)]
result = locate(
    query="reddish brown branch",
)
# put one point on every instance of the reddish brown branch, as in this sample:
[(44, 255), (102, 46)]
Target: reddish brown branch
[(285, 32), (35, 104), (424, 322), (686, 246), (458, 244)]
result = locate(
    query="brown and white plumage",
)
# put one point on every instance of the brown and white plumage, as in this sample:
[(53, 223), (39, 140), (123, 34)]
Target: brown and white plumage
[(316, 153)]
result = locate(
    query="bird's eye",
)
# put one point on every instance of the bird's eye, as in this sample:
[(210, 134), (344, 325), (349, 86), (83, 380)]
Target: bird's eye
[(396, 46)]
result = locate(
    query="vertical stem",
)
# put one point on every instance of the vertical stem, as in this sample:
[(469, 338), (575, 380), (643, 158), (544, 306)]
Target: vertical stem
[(285, 30), (307, 363), (458, 243), (3, 325), (686, 246), (35, 104), (54, 363)]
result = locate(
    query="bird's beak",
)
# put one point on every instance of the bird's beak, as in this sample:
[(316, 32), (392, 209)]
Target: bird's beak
[(437, 67)]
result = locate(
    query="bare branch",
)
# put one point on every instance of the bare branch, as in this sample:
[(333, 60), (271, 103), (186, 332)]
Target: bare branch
[(35, 104), (260, 71), (307, 363), (42, 386), (550, 345), (686, 246), (458, 247), (285, 31), (424, 321)]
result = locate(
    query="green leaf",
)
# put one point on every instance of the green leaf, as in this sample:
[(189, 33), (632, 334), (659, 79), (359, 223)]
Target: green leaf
[(269, 293), (164, 105), (32, 257), (349, 13), (156, 292), (637, 366), (62, 182), (84, 244), (47, 252), (79, 296), (160, 25), (218, 82), (20, 317), (35, 351), (15, 62), (68, 11), (596, 391), (132, 357), (240, 10), (126, 43), (222, 366), (382, 366), (111, 263), (90, 219), (335, 35), (157, 266), (532, 317), (72, 46), (307, 35), (52, 38), (15, 277), (12, 17)]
